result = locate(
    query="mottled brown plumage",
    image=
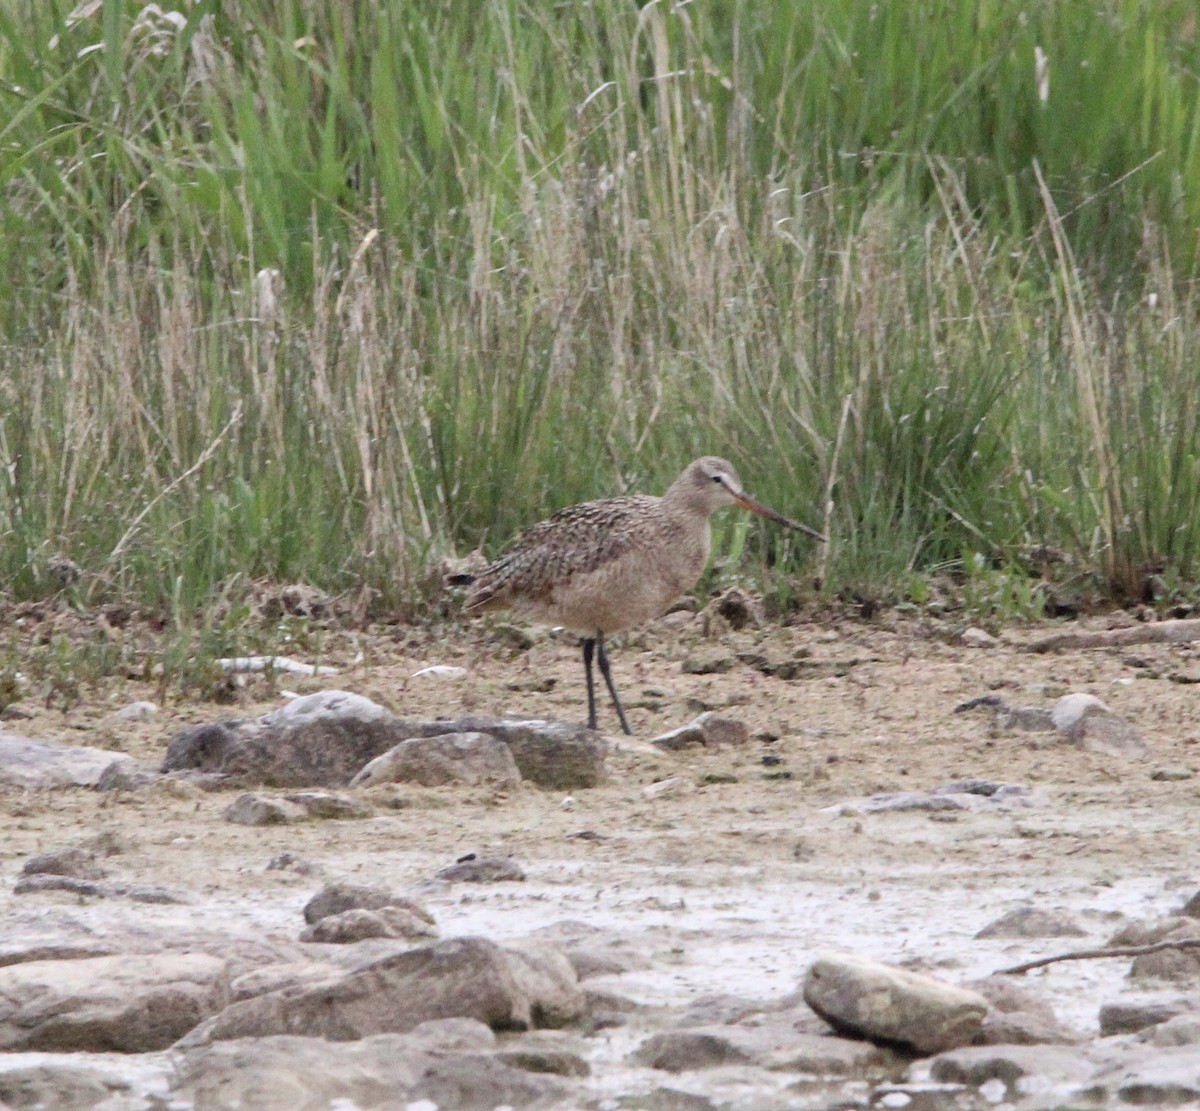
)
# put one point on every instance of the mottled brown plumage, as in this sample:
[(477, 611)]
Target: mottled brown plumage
[(608, 565)]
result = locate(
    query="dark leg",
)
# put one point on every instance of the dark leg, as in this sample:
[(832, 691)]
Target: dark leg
[(608, 679), (589, 647)]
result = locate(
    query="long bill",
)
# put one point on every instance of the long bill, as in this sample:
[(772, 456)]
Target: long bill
[(747, 502)]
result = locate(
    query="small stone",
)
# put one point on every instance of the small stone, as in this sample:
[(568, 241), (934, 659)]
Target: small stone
[(1179, 1030), (1167, 1077), (470, 758), (978, 638), (1008, 1064), (329, 806), (357, 925), (884, 1003), (483, 869), (324, 705), (1084, 720), (665, 788), (1175, 773), (78, 863), (684, 1050), (709, 730), (740, 609), (1130, 1018), (1033, 922), (709, 662), (136, 711), (335, 898), (440, 671), (259, 810)]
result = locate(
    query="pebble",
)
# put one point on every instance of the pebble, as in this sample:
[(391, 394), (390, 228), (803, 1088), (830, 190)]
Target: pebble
[(664, 788), (440, 671)]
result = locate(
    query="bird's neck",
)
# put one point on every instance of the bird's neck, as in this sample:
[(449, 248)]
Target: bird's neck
[(684, 499)]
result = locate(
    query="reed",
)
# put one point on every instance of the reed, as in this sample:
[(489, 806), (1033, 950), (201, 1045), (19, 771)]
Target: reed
[(324, 292)]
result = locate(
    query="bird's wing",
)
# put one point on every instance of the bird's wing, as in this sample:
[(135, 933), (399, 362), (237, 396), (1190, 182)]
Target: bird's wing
[(573, 541)]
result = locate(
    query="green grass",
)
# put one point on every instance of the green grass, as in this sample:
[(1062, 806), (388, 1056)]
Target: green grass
[(323, 293)]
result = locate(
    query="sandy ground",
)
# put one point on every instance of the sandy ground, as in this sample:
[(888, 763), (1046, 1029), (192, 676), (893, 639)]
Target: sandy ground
[(735, 879)]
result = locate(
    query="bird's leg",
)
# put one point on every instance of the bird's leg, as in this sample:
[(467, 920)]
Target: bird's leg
[(608, 679), (589, 647)]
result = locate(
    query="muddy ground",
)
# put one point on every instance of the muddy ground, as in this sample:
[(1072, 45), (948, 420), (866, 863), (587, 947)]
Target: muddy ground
[(735, 879)]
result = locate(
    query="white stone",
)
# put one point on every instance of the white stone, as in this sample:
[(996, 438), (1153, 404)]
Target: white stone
[(333, 704), (440, 671), (978, 638), (272, 663), (676, 785), (1072, 708)]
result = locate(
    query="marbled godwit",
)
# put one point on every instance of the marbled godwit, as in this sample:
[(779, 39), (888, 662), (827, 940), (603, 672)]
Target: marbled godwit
[(608, 565)]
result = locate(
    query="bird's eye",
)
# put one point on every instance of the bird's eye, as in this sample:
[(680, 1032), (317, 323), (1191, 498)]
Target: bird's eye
[(716, 478)]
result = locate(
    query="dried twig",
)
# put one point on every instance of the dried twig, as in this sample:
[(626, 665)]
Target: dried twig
[(1099, 954)]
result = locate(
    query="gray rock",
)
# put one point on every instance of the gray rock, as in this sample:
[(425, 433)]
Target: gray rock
[(261, 810), (1016, 1016), (1084, 720), (49, 945), (708, 730), (483, 869), (685, 1050), (740, 609), (546, 1051), (1178, 1030), (356, 925), (883, 1003), (709, 662), (1191, 909), (1129, 1018), (459, 978), (330, 806), (470, 758), (77, 862), (608, 1008), (976, 1065), (298, 748), (1172, 773), (131, 1003), (323, 752), (127, 775), (1178, 965), (63, 1087), (383, 1071), (136, 711), (543, 973), (334, 898), (591, 950), (281, 975), (1155, 1077), (829, 1055), (39, 765), (554, 754), (205, 748), (974, 637), (1029, 921)]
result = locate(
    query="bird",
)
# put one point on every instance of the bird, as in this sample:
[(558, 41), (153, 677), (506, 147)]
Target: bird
[(604, 566)]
